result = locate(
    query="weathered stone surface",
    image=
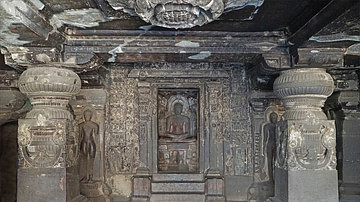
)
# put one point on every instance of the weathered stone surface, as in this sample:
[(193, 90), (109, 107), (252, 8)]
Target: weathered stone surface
[(8, 161)]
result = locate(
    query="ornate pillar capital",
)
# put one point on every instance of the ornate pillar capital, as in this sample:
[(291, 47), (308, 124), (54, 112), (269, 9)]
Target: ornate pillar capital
[(304, 91), (49, 90)]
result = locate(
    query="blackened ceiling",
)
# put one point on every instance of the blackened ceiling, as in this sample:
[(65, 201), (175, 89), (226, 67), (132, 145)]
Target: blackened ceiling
[(243, 31)]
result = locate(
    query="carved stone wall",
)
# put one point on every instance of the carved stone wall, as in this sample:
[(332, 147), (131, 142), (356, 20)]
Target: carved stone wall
[(131, 124)]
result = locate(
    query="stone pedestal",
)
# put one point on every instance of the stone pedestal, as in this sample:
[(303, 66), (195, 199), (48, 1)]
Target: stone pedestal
[(48, 137), (305, 139), (215, 189), (141, 186)]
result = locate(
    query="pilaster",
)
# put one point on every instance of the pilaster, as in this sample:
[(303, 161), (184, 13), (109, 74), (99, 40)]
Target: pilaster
[(305, 168), (48, 137), (343, 107)]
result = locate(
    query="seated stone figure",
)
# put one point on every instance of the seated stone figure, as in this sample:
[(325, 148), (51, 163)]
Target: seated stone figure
[(178, 126)]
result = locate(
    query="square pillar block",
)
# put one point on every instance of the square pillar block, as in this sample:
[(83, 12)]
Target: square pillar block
[(215, 189), (141, 188), (306, 161), (306, 185), (48, 184)]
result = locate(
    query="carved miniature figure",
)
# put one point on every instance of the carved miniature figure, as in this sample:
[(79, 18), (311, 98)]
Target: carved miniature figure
[(269, 144), (88, 131), (177, 125)]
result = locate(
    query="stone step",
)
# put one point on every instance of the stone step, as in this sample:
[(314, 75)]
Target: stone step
[(350, 189), (80, 198), (178, 178), (178, 187), (349, 198), (177, 198)]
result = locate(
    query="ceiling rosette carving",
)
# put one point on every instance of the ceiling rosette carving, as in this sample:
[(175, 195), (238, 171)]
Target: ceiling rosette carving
[(180, 13)]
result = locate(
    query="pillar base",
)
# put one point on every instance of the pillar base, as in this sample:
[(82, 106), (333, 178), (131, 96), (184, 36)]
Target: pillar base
[(47, 184), (306, 185)]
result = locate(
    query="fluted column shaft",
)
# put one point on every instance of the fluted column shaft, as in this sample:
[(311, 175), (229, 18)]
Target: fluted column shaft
[(47, 137), (305, 138)]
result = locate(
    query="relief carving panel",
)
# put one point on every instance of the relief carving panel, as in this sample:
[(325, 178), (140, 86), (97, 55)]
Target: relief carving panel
[(303, 146), (183, 13)]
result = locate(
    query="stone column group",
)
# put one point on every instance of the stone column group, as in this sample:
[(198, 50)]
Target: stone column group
[(305, 168)]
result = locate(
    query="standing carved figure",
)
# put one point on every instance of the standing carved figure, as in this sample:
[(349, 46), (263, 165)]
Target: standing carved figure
[(270, 144), (88, 131)]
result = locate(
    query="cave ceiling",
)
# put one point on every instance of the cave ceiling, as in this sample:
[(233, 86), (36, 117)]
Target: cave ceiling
[(86, 32)]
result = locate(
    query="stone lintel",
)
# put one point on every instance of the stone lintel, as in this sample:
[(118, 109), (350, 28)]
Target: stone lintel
[(320, 57)]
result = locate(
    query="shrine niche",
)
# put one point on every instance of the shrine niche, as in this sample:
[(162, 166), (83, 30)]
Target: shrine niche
[(89, 112), (89, 136), (269, 146), (178, 130)]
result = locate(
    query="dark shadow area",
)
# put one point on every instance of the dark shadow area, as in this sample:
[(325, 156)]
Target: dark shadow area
[(8, 161)]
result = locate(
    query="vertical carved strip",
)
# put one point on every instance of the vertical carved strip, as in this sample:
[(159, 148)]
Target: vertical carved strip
[(215, 130), (122, 110), (145, 122), (239, 159)]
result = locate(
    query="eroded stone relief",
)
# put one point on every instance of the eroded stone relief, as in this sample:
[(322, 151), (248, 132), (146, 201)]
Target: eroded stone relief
[(181, 14), (305, 137), (238, 141)]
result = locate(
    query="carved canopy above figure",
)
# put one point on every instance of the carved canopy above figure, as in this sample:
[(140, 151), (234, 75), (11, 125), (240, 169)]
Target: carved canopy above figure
[(180, 13)]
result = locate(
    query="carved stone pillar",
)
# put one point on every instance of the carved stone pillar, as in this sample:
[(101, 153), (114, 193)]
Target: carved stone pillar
[(48, 138), (343, 108), (305, 157)]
